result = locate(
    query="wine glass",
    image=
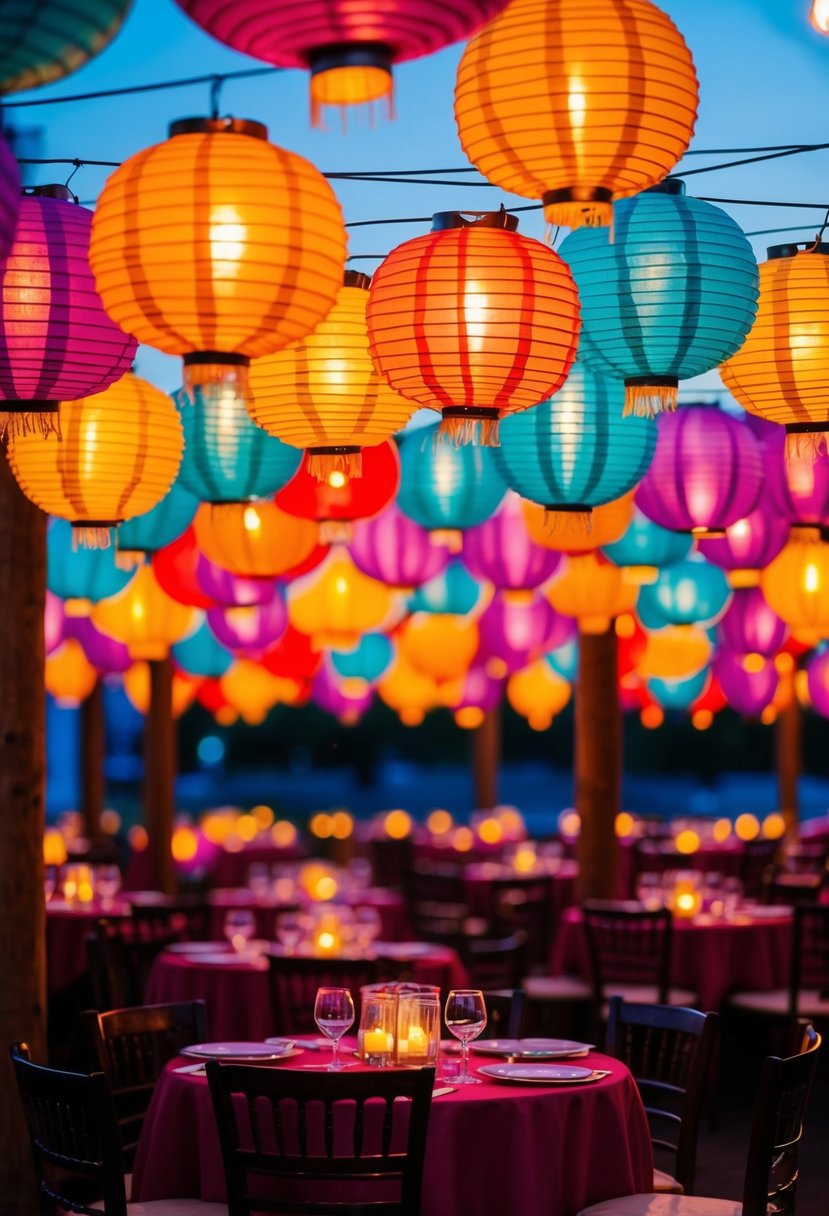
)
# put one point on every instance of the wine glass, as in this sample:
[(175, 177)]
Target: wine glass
[(465, 1018), (259, 880), (291, 928), (107, 884), (239, 927), (367, 926), (334, 1014)]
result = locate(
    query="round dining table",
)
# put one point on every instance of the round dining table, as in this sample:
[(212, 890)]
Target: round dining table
[(67, 927), (492, 1149), (389, 904), (236, 988)]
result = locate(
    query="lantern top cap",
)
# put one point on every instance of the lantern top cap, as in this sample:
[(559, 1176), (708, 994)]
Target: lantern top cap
[(668, 185), (218, 126), (356, 278), (50, 191), (791, 249), (442, 220)]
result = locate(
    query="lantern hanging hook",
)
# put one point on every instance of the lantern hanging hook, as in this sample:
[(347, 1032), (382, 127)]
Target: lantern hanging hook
[(78, 164), (216, 95), (819, 235)]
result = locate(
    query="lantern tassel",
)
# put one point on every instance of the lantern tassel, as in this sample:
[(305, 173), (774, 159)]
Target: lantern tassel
[(90, 536), (571, 524), (452, 538), (205, 382), (129, 559), (460, 431), (322, 464), (333, 531), (648, 400), (572, 214), (805, 446), (29, 422)]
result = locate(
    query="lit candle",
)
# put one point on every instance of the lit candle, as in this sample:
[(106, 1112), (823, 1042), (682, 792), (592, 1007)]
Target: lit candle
[(377, 1042), (414, 1044)]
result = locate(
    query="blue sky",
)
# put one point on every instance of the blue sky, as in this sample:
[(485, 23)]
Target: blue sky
[(764, 77)]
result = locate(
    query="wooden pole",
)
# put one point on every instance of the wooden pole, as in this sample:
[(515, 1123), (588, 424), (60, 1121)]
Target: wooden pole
[(22, 787), (93, 750), (598, 764), (486, 759), (788, 751), (160, 775)]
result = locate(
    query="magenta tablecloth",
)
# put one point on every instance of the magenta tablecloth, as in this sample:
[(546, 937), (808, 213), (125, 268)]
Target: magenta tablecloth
[(238, 996), (67, 928), (492, 1149), (231, 869), (711, 957), (390, 905)]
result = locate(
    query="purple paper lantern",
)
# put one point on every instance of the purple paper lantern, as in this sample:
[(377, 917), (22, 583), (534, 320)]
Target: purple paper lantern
[(817, 677), (346, 700), (479, 690), (797, 489), (396, 551), (750, 626), (232, 590), (53, 622), (750, 543), (748, 690), (502, 551), (519, 628), (706, 472), (250, 629), (102, 651), (9, 198)]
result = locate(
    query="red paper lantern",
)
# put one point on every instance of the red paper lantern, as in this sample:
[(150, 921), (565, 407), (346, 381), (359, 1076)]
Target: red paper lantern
[(336, 502), (292, 657), (176, 570)]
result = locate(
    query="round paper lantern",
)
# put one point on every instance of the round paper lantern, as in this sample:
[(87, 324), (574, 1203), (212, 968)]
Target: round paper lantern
[(679, 694), (446, 489), (201, 654), (69, 675), (292, 657), (9, 198), (817, 681), (750, 626), (674, 653), (439, 645), (576, 450), (645, 548), (687, 593), (408, 691), (228, 590), (53, 622), (395, 550), (176, 568), (166, 522), (453, 591), (144, 617), (592, 590), (501, 550), (43, 42), (104, 653), (576, 108), (218, 246), (368, 661), (346, 700), (781, 372), (749, 686), (515, 629), (81, 577), (348, 48), (118, 455), (797, 486), (340, 500), (538, 694), (473, 696), (564, 660), (338, 605), (251, 628), (56, 341), (706, 472), (136, 682), (796, 584), (670, 298), (256, 540), (253, 691), (474, 321), (323, 393), (748, 545), (607, 523)]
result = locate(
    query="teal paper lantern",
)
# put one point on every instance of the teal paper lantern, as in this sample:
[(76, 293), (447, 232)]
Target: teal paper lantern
[(168, 520), (672, 296), (646, 548), (679, 694), (687, 593), (368, 661), (44, 40), (201, 654), (84, 576), (453, 591), (444, 488), (228, 458), (576, 451), (564, 660)]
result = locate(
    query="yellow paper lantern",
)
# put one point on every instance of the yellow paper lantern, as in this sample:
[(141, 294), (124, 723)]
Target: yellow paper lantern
[(674, 653), (254, 540), (136, 680), (593, 591), (253, 691), (439, 644), (117, 456), (538, 694), (54, 848), (70, 677), (607, 524), (145, 618), (339, 604), (796, 583), (408, 691)]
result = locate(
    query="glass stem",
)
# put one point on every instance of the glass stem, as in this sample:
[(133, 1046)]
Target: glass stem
[(464, 1058), (335, 1058)]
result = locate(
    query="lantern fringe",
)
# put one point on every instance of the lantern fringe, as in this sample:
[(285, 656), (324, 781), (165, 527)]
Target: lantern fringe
[(90, 537), (322, 464), (334, 530), (29, 422), (580, 215), (129, 559), (805, 445), (215, 382), (568, 523), (318, 109), (481, 432), (452, 538), (648, 400)]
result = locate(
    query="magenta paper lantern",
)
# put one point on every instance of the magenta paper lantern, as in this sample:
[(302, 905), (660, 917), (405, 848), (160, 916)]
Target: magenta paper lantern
[(748, 691), (9, 198), (396, 551), (102, 651), (346, 700), (502, 551), (817, 677), (750, 626), (251, 629), (750, 543), (232, 590), (479, 690), (706, 472), (53, 629), (56, 342), (797, 488), (520, 628)]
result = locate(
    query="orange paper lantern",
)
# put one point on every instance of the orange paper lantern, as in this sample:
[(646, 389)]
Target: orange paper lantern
[(254, 540), (338, 604), (253, 691), (439, 644), (408, 691), (674, 653), (593, 591), (796, 584), (70, 677), (538, 694), (145, 618), (607, 524), (136, 681)]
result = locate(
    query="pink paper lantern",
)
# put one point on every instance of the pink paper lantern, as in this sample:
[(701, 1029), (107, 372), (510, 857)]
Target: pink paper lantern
[(343, 699), (102, 651), (750, 626), (395, 550), (502, 551), (250, 629), (53, 622), (817, 676), (9, 198), (518, 629), (748, 690), (750, 543), (232, 590), (479, 690), (797, 489)]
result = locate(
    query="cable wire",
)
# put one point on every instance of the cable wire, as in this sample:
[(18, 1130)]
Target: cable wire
[(212, 78)]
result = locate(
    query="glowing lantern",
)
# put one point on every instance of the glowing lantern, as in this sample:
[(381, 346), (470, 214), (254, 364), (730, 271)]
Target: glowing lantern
[(217, 246), (252, 628), (201, 654), (46, 290), (118, 455), (166, 522), (645, 548), (749, 687), (747, 546), (81, 577), (817, 673), (70, 677), (576, 451), (547, 108), (292, 657), (538, 694), (453, 591), (346, 700), (256, 540), (54, 848), (9, 198), (518, 628), (474, 321), (44, 42), (323, 393), (176, 568), (674, 653), (699, 315), (395, 550), (136, 681), (781, 372), (104, 653), (144, 617), (687, 842), (53, 629), (340, 500), (339, 605), (398, 825), (411, 693), (686, 593), (228, 590), (607, 523), (685, 899), (747, 826), (253, 691), (473, 696), (368, 661), (592, 590), (797, 487), (679, 694), (706, 472), (796, 584), (750, 626), (564, 660), (439, 645), (501, 550)]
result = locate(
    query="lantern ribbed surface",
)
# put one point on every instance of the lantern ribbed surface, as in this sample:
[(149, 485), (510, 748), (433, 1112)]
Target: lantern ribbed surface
[(145, 618), (606, 523), (706, 472), (118, 455), (176, 569), (796, 584), (44, 40), (576, 105), (748, 544), (395, 550), (335, 606), (323, 394), (56, 341), (444, 488), (502, 551), (673, 295), (476, 322), (645, 547), (80, 575), (781, 372), (750, 626), (219, 245), (256, 540), (520, 629), (166, 522), (797, 485), (232, 590), (576, 450), (9, 198)]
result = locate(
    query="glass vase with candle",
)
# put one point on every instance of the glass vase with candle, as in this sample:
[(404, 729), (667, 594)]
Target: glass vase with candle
[(418, 1025), (375, 1037), (686, 896)]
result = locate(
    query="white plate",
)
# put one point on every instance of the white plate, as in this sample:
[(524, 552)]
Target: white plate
[(240, 1051), (537, 1074), (196, 947), (536, 1049), (402, 950)]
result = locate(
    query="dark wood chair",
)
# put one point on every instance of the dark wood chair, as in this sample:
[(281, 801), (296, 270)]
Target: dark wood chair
[(76, 1147), (504, 1013), (524, 905), (629, 953), (793, 887), (496, 962), (279, 1127), (120, 963), (169, 917), (807, 994), (294, 981), (757, 861), (771, 1170), (669, 1050), (131, 1046)]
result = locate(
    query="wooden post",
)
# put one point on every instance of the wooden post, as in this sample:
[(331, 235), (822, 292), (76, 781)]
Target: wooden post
[(788, 753), (486, 759), (598, 764), (22, 785), (160, 775), (93, 751)]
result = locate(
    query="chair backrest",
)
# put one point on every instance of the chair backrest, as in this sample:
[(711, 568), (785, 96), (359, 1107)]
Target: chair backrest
[(294, 981), (169, 917), (131, 1046), (668, 1049), (496, 963), (74, 1135), (120, 962), (782, 1094), (504, 1013), (758, 857), (350, 1129), (629, 944), (524, 904), (810, 952)]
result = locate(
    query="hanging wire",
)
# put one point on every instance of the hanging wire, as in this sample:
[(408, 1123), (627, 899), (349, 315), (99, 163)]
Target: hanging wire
[(750, 160), (181, 83)]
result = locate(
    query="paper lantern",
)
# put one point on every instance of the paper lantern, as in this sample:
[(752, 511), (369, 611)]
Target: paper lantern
[(145, 618), (339, 604), (453, 591), (706, 472), (472, 696), (323, 394), (43, 42), (607, 523), (576, 451), (256, 540), (502, 551), (592, 590), (517, 628), (474, 321), (748, 545), (395, 550), (646, 547), (564, 660), (340, 500), (176, 568), (749, 686), (439, 645), (81, 577), (166, 522), (797, 486), (576, 107), (253, 691), (781, 372), (679, 694), (670, 298), (796, 584), (750, 626), (228, 590), (217, 246), (368, 661), (118, 455), (201, 654), (136, 681), (409, 692), (9, 198), (348, 48), (56, 341), (674, 653), (686, 593), (817, 679), (538, 694), (69, 675), (104, 653), (346, 700), (293, 657), (53, 628), (446, 489), (249, 629)]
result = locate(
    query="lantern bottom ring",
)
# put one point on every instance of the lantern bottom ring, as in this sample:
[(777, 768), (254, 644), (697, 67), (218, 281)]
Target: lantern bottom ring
[(218, 126), (29, 417), (647, 396), (335, 463), (579, 207), (465, 424), (805, 440)]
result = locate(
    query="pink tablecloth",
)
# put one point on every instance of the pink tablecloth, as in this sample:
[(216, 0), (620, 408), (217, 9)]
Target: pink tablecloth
[(390, 905), (238, 995), (711, 957), (67, 929), (492, 1149), (231, 869)]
